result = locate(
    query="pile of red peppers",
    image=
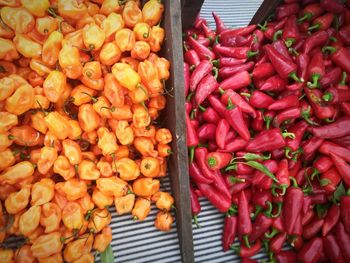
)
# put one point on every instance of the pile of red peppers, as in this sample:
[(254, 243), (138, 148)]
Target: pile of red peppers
[(268, 130)]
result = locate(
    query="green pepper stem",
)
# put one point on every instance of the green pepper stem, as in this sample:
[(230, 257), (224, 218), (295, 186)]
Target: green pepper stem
[(258, 210), (230, 105), (195, 219), (277, 34), (245, 94), (201, 108), (269, 209), (324, 182), (215, 72), (294, 76), (279, 209), (246, 241), (315, 26), (343, 78), (305, 17), (251, 54), (327, 96), (212, 162), (273, 233), (236, 180), (288, 134), (191, 152), (315, 81), (329, 48), (293, 181), (215, 62), (289, 42), (222, 91), (263, 26)]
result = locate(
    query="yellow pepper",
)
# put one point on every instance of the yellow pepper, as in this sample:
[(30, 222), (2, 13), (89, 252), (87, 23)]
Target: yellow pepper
[(17, 201), (149, 76), (17, 172), (69, 56), (141, 50), (57, 125), (132, 14), (43, 192), (112, 24), (52, 141), (7, 121), (75, 130), (107, 141), (29, 220), (164, 150), (86, 203), (50, 217), (124, 133), (54, 85), (48, 156), (5, 141), (88, 171), (152, 12), (103, 239), (46, 25), (72, 9), (56, 258), (125, 39), (72, 151), (157, 38), (141, 118), (8, 50), (112, 186), (138, 95), (157, 102), (101, 200), (72, 216), (89, 120), (92, 8), (145, 186), (38, 122), (162, 65), (164, 201), (110, 54), (163, 221), (99, 220), (122, 113), (40, 69), (103, 107), (126, 76), (163, 136), (47, 245), (127, 169), (19, 19), (27, 47), (142, 31), (124, 204), (74, 189), (74, 39), (52, 47), (7, 159), (105, 168), (110, 7), (141, 209), (7, 88), (62, 167), (93, 37), (81, 95), (36, 7), (21, 100)]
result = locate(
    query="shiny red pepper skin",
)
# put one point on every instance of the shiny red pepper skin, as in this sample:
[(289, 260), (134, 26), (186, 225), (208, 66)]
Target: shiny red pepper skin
[(242, 31), (234, 117), (332, 249), (323, 164), (335, 95), (344, 170), (345, 212), (308, 216), (220, 26), (202, 51), (285, 102), (236, 144), (288, 256), (206, 131), (258, 122), (237, 100), (329, 148), (332, 6), (192, 137), (202, 70), (286, 10), (303, 61), (281, 48), (228, 62), (298, 129), (310, 12), (274, 83), (339, 128), (245, 252), (268, 140), (218, 160), (226, 72), (315, 98), (319, 38), (203, 40), (260, 180), (215, 196), (282, 173), (234, 41), (244, 222), (293, 203), (233, 52), (221, 131), (191, 57), (237, 81), (345, 107), (195, 205), (217, 105), (211, 116), (200, 157), (331, 77), (210, 34), (344, 34), (260, 226), (310, 147), (341, 57), (291, 34), (261, 100), (286, 115), (343, 240), (330, 180), (311, 251), (230, 231), (331, 219), (196, 174), (205, 87), (261, 197), (311, 230), (322, 22), (186, 78), (276, 243), (316, 70), (263, 71)]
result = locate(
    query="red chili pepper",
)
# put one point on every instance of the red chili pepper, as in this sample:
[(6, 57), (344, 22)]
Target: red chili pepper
[(260, 180), (263, 71), (247, 252), (340, 56), (236, 144), (343, 240), (287, 115), (207, 86), (311, 230), (334, 95), (342, 140), (258, 38), (244, 222), (332, 6), (284, 103), (198, 22), (203, 40), (227, 62), (331, 219), (286, 10), (206, 131), (212, 146), (339, 128), (242, 31), (323, 164), (344, 170), (291, 34), (218, 160), (261, 197), (234, 117), (236, 99), (258, 122), (276, 243), (282, 175), (272, 28), (293, 144), (230, 135), (331, 77), (316, 39), (281, 48), (329, 180), (186, 78), (192, 137), (315, 98), (210, 115), (261, 100), (237, 81), (297, 243), (220, 183), (274, 83), (287, 256), (202, 70), (196, 174), (215, 196), (344, 34), (329, 148), (303, 61), (195, 205), (310, 147), (229, 232), (234, 52), (218, 106), (308, 216), (332, 249), (322, 22), (227, 72), (202, 51), (311, 251), (221, 131), (261, 224), (310, 12), (345, 107), (210, 34), (345, 211), (268, 140), (234, 41), (220, 26), (286, 69), (316, 70), (191, 57)]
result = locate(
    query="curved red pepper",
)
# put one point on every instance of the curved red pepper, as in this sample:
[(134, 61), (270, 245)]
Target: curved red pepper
[(322, 22), (311, 251), (315, 98), (344, 34), (237, 81), (261, 224), (236, 99), (330, 180), (242, 31), (202, 51), (221, 131), (339, 128), (218, 106), (244, 222), (200, 156), (332, 249), (196, 174), (345, 107), (288, 256), (329, 148), (234, 41), (285, 102), (334, 95), (343, 240), (310, 147), (211, 116), (236, 144), (277, 242), (195, 205), (331, 219), (344, 170), (268, 140), (332, 76), (332, 6), (210, 34), (310, 12), (229, 232), (261, 100), (202, 70), (206, 131), (258, 122), (286, 115), (342, 140), (186, 78), (207, 86), (234, 117), (191, 57), (220, 26), (281, 48), (303, 61), (274, 83), (286, 10), (317, 39), (263, 71), (340, 56), (323, 163), (316, 70), (215, 196), (227, 72), (228, 62), (245, 252), (345, 212), (218, 160), (311, 230), (282, 174), (291, 34), (298, 130)]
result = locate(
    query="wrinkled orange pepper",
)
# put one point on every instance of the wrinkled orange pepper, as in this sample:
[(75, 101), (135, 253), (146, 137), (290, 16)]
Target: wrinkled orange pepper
[(107, 141), (105, 168), (19, 19), (112, 186), (54, 85), (26, 46), (8, 50), (56, 258), (141, 118), (163, 221), (29, 220), (142, 31), (43, 192), (87, 258), (132, 14), (145, 186), (110, 54), (46, 25), (93, 36), (112, 24), (77, 248), (164, 201), (163, 66), (72, 9), (99, 220), (21, 100), (24, 254), (124, 133), (103, 239), (157, 38), (68, 56), (110, 6), (26, 136), (7, 159), (164, 150), (74, 189), (36, 7), (139, 95), (81, 95), (123, 152), (86, 203), (145, 147), (75, 130), (157, 102), (163, 136), (72, 151), (88, 118), (7, 88), (48, 156), (125, 39), (50, 217), (88, 171), (127, 169), (52, 47), (141, 50), (113, 91), (152, 12), (6, 255), (134, 63), (126, 76), (150, 167), (5, 141), (51, 140), (17, 201), (141, 209), (72, 216), (63, 167), (124, 204), (149, 76), (16, 173), (101, 200), (57, 125)]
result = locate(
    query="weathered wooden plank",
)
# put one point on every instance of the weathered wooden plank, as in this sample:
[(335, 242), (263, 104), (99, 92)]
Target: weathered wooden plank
[(190, 10), (266, 9)]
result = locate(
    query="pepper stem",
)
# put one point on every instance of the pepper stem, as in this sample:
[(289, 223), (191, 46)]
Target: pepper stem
[(315, 81), (236, 180), (201, 108), (268, 122), (273, 233), (195, 219), (289, 42), (191, 153), (327, 96), (215, 72), (343, 78), (279, 209), (287, 152), (245, 94), (269, 209), (324, 182), (305, 17), (288, 134), (251, 53), (329, 48), (215, 62), (222, 91), (276, 35), (230, 105), (263, 26), (293, 181), (246, 241), (258, 210), (294, 76), (315, 26), (212, 162)]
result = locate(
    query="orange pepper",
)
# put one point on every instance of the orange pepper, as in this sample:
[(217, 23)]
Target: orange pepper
[(57, 125), (101, 199), (132, 14), (26, 46), (99, 18), (52, 47), (42, 192), (141, 209), (99, 219), (72, 9), (123, 152), (157, 102), (56, 258), (68, 56), (62, 167), (75, 39), (124, 204), (126, 76), (140, 116), (105, 168), (152, 12), (93, 36), (110, 54), (5, 141), (134, 63), (17, 201), (127, 169), (163, 221), (163, 66), (141, 50), (152, 57), (86, 203), (36, 80), (46, 25), (92, 8), (81, 95), (150, 167), (26, 136), (149, 132), (164, 201), (54, 85), (48, 156), (163, 136), (66, 28), (139, 95), (149, 76), (103, 107), (88, 171), (72, 151), (163, 169), (96, 84), (7, 87), (17, 172), (88, 118), (109, 7), (8, 68), (124, 133), (153, 113), (64, 102), (59, 199), (145, 147), (38, 122), (6, 255), (75, 130), (157, 38), (164, 150), (47, 245), (6, 190), (113, 91), (103, 239), (112, 24), (19, 19), (107, 141), (24, 254), (91, 137), (78, 248), (125, 39), (84, 21), (145, 186), (21, 100), (7, 159), (50, 217), (51, 140), (6, 32), (142, 31), (29, 220), (74, 189), (92, 70), (72, 216), (36, 7), (112, 186)]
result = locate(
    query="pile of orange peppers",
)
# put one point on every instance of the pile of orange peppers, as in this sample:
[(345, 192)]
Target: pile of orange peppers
[(81, 87)]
